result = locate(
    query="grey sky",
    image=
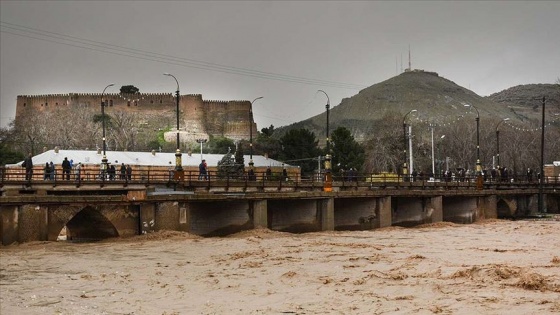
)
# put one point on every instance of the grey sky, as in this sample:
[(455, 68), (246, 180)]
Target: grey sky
[(484, 46)]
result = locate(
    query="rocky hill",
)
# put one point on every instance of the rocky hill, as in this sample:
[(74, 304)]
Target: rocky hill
[(436, 100), (526, 100)]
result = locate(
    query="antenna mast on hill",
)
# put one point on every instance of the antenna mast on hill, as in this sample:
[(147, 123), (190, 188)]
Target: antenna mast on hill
[(401, 63), (409, 63)]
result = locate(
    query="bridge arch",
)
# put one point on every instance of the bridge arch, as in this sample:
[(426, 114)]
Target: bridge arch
[(90, 224), (80, 223), (504, 209)]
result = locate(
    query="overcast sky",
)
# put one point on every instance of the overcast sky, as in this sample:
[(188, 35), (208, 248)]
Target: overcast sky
[(283, 51)]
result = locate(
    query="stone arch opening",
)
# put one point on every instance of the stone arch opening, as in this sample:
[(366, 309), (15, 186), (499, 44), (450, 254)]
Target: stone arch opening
[(89, 225), (504, 212)]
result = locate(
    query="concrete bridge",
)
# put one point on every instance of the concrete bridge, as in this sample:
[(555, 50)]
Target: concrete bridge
[(39, 211)]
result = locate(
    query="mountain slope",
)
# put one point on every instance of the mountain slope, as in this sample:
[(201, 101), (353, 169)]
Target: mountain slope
[(526, 100), (436, 100)]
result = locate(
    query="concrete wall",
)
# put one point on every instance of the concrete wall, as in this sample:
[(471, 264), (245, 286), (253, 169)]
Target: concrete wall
[(168, 214)]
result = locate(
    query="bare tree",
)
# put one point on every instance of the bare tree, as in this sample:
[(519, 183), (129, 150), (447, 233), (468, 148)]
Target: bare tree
[(124, 130)]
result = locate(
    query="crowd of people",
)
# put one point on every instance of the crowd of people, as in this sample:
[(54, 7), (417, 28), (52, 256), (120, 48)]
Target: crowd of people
[(68, 167), (498, 174)]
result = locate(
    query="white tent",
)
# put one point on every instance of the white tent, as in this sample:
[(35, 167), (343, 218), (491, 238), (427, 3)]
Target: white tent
[(139, 158)]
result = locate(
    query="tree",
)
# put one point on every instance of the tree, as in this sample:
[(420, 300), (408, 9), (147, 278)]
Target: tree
[(129, 89), (299, 147), (385, 145), (239, 159), (265, 144), (346, 152), (7, 154), (220, 145), (268, 131), (123, 131)]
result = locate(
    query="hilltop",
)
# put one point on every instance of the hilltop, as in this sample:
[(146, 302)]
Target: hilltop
[(435, 98)]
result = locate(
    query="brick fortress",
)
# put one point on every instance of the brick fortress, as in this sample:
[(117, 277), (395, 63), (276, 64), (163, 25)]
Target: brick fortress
[(198, 118)]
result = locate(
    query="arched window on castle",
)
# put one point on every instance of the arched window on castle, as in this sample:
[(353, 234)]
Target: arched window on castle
[(151, 101), (24, 104), (160, 101), (128, 103), (56, 104), (110, 102), (46, 104), (135, 103)]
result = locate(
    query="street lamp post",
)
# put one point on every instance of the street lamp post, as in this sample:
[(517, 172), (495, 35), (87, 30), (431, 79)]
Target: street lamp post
[(541, 179), (405, 168), (251, 132), (478, 165), (433, 152), (439, 161), (178, 157), (201, 141), (328, 170), (104, 159), (498, 141)]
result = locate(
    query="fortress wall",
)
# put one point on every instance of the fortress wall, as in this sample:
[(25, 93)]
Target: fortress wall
[(238, 120), (192, 116), (197, 116), (214, 117)]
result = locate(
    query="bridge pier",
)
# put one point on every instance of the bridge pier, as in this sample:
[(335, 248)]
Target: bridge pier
[(436, 206), (259, 210), (9, 227), (487, 208), (147, 218), (35, 220), (325, 208)]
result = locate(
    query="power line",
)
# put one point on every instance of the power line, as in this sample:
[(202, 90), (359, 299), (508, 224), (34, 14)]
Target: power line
[(58, 38)]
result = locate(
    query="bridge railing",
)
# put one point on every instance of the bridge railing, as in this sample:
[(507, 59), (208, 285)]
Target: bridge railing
[(347, 180)]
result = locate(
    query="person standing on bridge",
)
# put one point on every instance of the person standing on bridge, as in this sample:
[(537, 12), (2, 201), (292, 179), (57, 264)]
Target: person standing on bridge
[(123, 172), (203, 170), (66, 169), (79, 171), (47, 171), (129, 172), (53, 170), (28, 164)]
